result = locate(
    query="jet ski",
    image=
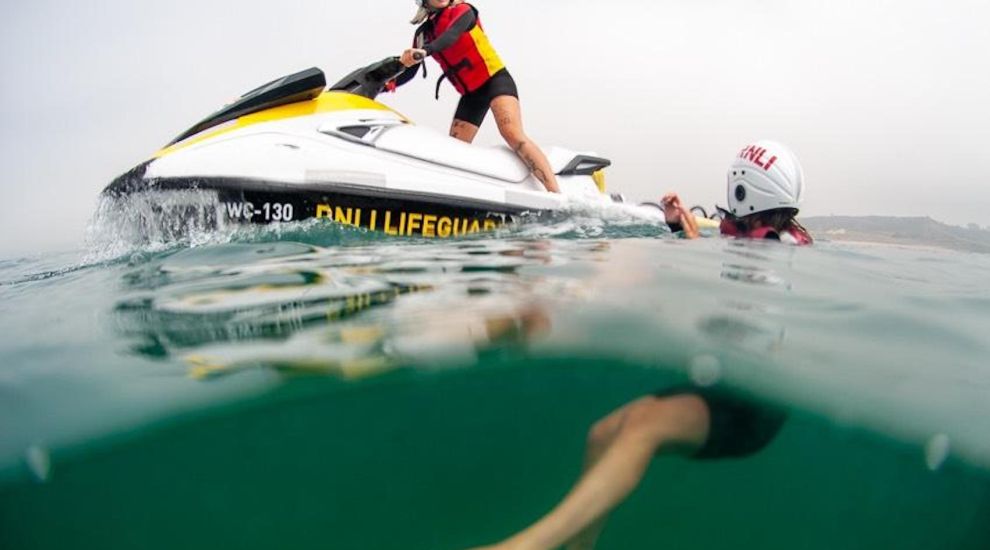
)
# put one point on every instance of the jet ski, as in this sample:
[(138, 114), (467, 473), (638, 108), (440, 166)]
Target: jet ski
[(294, 149)]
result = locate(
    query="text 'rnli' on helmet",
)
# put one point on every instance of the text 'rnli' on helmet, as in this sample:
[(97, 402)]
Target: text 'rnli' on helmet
[(764, 176)]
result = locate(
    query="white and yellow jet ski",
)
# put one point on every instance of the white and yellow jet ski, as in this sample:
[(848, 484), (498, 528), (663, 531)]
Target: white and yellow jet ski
[(293, 150)]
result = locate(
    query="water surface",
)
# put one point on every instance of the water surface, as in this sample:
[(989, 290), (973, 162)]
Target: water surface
[(313, 385)]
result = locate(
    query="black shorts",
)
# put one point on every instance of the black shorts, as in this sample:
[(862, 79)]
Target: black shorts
[(474, 106), (738, 426)]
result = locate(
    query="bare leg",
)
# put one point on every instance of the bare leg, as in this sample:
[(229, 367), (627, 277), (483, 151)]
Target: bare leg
[(600, 438), (631, 437), (508, 116), (464, 131)]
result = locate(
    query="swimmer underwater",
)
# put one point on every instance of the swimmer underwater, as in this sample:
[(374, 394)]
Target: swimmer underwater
[(765, 185), (451, 32)]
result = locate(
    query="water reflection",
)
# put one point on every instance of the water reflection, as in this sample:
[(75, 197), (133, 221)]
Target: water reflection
[(298, 308), (721, 312)]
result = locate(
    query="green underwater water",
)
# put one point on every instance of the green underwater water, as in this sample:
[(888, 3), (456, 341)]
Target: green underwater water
[(315, 386)]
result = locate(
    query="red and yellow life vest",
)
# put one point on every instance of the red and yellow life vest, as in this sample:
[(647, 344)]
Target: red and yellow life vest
[(471, 61), (791, 234)]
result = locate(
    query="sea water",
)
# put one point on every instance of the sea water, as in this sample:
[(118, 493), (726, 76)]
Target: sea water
[(312, 385)]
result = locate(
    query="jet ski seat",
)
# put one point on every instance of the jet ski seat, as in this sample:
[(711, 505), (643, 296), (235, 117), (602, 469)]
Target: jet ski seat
[(397, 136), (433, 147)]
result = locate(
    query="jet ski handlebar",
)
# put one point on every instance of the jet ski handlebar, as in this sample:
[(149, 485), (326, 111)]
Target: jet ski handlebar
[(302, 86), (371, 80)]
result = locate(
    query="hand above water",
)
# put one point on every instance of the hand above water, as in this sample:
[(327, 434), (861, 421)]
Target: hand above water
[(674, 212), (672, 208)]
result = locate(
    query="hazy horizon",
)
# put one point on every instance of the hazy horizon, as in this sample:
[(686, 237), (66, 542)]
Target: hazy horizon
[(885, 103)]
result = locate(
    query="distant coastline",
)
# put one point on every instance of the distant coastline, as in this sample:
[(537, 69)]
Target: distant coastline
[(913, 231)]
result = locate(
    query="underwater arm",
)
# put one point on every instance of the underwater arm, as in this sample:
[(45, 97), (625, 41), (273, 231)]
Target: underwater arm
[(621, 447)]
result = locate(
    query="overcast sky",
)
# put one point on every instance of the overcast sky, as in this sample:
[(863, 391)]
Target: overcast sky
[(886, 102)]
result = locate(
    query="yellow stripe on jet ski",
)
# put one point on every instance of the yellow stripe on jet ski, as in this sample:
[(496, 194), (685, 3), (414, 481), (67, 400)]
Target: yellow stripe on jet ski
[(326, 103), (598, 177)]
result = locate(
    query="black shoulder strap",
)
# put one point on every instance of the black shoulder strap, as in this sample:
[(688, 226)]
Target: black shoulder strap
[(439, 82), (420, 36), (419, 39)]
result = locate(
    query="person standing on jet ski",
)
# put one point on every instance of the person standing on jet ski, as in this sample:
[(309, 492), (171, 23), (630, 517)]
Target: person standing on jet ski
[(765, 185), (451, 32)]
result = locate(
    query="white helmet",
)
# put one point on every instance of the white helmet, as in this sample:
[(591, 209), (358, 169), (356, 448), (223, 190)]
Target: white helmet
[(764, 176)]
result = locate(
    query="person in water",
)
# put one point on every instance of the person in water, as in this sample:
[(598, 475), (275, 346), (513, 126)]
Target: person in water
[(765, 187), (765, 184), (451, 32)]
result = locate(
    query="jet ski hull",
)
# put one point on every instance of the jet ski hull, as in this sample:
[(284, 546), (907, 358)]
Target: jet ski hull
[(257, 202)]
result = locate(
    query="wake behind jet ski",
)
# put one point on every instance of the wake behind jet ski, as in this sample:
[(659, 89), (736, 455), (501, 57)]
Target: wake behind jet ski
[(292, 150)]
